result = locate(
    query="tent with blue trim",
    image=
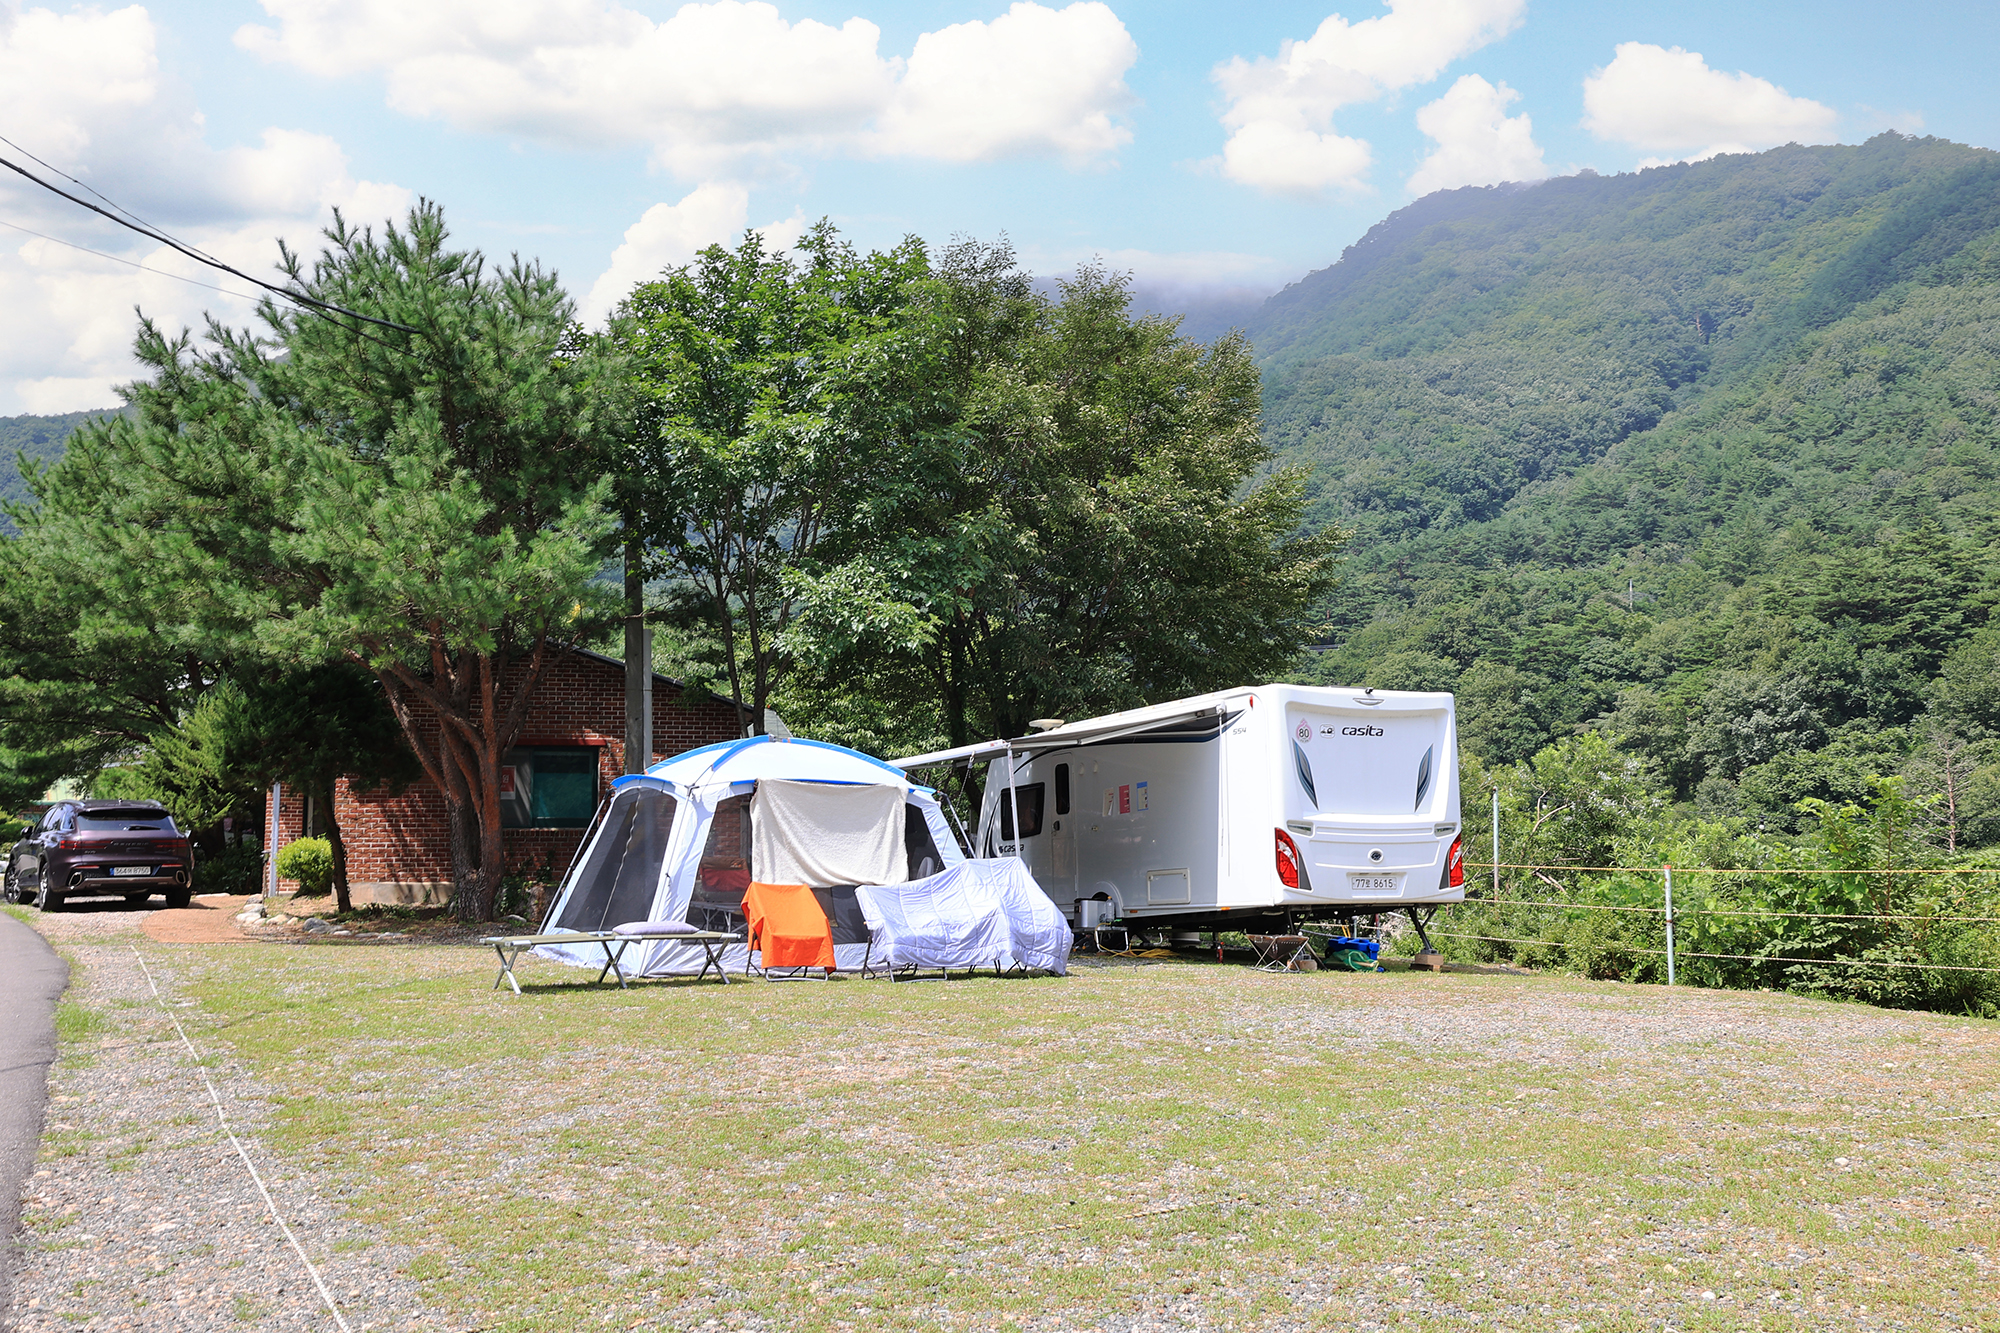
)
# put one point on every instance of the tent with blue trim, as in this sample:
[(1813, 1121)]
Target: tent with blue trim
[(684, 841)]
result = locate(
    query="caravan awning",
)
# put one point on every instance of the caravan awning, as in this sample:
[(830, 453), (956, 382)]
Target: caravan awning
[(1166, 722)]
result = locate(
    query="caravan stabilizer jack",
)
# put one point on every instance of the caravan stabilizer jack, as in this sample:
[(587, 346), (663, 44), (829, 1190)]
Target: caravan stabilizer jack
[(1428, 959)]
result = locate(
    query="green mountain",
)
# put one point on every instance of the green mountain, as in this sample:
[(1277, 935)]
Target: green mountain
[(41, 438), (1702, 456)]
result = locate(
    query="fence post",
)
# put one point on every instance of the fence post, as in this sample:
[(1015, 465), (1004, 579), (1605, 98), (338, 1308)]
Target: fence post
[(1668, 871), (1496, 840)]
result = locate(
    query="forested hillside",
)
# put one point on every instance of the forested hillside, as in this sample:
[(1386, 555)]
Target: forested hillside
[(1701, 457), (40, 438)]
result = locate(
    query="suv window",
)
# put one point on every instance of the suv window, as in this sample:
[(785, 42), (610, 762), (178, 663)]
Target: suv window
[(52, 820), (137, 819)]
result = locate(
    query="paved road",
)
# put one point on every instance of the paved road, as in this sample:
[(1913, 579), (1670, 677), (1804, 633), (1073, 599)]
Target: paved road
[(31, 977)]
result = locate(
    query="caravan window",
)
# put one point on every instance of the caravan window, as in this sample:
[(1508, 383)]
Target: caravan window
[(618, 879), (724, 874), (1062, 789), (1029, 798)]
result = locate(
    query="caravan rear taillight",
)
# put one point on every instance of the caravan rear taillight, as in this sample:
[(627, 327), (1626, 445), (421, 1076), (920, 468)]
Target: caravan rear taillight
[(1454, 864), (1291, 866)]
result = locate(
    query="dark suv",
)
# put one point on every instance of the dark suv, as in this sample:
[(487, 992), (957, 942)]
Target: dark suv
[(90, 849)]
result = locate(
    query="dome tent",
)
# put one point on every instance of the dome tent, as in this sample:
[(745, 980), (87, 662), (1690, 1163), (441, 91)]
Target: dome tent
[(684, 840)]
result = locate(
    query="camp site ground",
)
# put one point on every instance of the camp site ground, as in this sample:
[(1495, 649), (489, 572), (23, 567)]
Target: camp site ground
[(1143, 1145)]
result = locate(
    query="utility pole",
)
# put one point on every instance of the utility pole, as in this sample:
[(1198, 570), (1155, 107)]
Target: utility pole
[(638, 657)]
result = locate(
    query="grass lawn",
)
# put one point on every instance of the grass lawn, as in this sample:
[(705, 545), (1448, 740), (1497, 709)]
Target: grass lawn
[(1174, 1145)]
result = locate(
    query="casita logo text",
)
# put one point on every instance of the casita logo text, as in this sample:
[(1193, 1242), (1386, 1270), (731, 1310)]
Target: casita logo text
[(1362, 731)]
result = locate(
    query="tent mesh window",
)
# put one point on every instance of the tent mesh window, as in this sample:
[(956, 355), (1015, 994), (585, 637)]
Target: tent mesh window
[(919, 845), (617, 882), (724, 874)]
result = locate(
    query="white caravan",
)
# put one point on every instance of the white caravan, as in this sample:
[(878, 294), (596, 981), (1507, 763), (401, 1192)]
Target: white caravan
[(1243, 809)]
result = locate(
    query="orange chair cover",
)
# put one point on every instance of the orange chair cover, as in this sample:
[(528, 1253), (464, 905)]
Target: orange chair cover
[(788, 925)]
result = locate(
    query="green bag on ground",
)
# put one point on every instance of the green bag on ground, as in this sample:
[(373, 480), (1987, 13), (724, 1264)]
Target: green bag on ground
[(1352, 959)]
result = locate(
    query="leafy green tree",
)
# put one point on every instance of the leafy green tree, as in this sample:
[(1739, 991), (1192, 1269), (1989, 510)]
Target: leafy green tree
[(781, 404), (1968, 687), (205, 766), (82, 685), (311, 727), (422, 496), (1112, 543), (305, 728)]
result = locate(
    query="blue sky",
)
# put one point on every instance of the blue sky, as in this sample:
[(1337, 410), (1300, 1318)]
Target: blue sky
[(1205, 148)]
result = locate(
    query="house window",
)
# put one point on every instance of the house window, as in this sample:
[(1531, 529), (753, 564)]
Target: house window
[(548, 786)]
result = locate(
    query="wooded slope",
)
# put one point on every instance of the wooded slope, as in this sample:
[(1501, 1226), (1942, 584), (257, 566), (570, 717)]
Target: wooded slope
[(1704, 454)]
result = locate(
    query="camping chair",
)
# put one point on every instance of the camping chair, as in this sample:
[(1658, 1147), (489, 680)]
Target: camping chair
[(1281, 953), (788, 930), (847, 923)]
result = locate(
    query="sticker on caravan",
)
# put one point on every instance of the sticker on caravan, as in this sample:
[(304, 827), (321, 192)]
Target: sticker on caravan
[(1110, 800), (1125, 800), (1140, 804), (1305, 773), (1305, 732)]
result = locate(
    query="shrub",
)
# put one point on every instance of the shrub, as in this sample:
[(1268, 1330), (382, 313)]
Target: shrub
[(237, 870), (310, 862)]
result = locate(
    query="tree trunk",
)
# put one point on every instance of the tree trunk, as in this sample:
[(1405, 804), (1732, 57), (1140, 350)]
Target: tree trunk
[(464, 837), (462, 753), (343, 901)]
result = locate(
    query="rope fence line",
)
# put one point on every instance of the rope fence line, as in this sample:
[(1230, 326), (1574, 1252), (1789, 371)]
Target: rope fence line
[(1669, 918), (1724, 911), (222, 1119), (1731, 957)]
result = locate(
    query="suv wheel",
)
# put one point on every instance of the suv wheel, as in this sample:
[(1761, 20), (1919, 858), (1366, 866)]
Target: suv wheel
[(179, 897), (11, 889), (51, 901)]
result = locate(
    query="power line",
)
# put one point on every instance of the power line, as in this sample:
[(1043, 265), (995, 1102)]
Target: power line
[(200, 258), (129, 263), (85, 185)]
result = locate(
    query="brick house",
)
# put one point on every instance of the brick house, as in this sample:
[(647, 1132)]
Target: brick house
[(571, 748)]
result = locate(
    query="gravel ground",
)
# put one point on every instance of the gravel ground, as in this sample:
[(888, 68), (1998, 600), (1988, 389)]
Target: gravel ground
[(140, 1215), (1790, 1165)]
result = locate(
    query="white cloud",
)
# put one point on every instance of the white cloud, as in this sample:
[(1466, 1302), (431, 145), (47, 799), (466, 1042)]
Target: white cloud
[(671, 234), (1668, 101), (1034, 79), (1281, 110), (1478, 143), (83, 91), (720, 86)]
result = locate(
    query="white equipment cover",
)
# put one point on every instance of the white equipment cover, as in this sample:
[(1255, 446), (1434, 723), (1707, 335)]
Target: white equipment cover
[(974, 914), (825, 834)]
